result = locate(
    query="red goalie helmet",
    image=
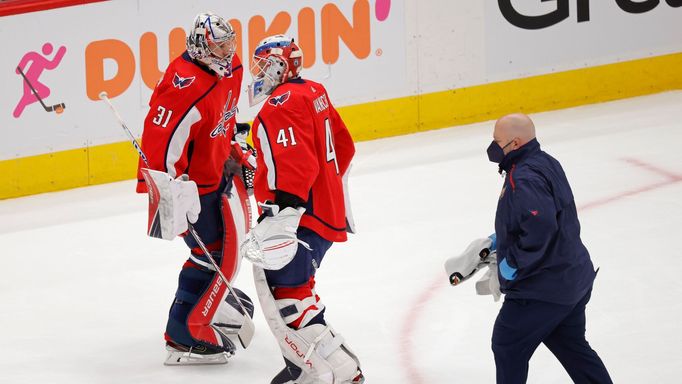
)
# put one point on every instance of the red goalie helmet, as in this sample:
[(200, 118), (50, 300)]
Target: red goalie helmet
[(276, 59)]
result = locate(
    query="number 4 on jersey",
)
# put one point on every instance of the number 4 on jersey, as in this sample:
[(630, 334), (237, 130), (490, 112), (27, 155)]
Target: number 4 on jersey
[(285, 140), (331, 152)]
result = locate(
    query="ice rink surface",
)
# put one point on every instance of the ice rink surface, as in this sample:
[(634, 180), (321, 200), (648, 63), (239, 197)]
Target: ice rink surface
[(85, 293)]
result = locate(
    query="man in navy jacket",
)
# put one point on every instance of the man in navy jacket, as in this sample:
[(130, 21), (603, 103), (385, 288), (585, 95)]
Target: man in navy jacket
[(544, 269)]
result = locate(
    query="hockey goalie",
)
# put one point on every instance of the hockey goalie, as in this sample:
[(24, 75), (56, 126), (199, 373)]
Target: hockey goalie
[(197, 170)]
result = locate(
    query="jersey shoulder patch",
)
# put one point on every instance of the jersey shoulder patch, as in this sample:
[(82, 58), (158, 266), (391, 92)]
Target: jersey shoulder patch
[(180, 82), (276, 101), (182, 85)]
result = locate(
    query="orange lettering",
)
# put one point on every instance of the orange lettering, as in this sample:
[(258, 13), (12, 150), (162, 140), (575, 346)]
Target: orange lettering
[(176, 42), (149, 63), (355, 33), (237, 26), (149, 53), (335, 27), (257, 30), (95, 54), (306, 35)]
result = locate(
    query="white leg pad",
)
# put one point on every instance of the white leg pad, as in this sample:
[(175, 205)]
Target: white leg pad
[(292, 309), (317, 349)]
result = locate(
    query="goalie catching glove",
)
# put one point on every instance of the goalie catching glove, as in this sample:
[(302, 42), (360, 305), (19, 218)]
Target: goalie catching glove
[(273, 243), (172, 203)]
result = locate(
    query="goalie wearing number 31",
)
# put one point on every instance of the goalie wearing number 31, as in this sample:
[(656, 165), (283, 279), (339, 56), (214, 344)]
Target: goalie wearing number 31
[(199, 168), (305, 151)]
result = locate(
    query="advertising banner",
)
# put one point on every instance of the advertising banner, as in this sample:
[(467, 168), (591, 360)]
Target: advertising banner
[(70, 55), (392, 66), (531, 37)]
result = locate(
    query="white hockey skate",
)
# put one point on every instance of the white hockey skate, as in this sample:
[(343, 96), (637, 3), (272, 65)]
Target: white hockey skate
[(198, 355)]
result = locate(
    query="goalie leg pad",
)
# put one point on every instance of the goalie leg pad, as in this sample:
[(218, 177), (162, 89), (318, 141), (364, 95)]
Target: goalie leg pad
[(210, 224), (294, 285), (223, 224), (320, 352), (204, 313), (191, 283), (299, 306)]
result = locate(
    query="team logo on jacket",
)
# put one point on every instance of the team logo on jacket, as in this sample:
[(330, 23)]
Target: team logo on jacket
[(279, 100), (182, 82)]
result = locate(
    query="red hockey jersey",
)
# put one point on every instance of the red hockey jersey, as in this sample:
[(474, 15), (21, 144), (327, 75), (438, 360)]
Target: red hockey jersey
[(190, 123), (304, 148)]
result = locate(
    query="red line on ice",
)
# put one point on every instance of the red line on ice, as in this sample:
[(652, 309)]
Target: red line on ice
[(414, 376)]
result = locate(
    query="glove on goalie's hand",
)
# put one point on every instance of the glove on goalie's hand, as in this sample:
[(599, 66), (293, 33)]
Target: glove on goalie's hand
[(273, 243), (462, 267)]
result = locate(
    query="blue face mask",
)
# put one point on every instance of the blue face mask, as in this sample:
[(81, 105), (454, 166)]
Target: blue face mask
[(496, 153)]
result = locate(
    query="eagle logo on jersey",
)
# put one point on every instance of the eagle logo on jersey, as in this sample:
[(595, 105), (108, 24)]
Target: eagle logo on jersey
[(182, 82), (279, 100)]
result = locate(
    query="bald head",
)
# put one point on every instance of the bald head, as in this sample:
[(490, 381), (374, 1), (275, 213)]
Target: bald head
[(516, 127)]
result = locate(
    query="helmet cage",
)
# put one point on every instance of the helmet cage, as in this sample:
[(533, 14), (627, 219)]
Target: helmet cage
[(212, 41), (276, 60)]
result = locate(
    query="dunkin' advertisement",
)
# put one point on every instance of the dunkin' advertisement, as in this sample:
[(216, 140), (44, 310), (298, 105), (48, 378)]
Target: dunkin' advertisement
[(53, 71), (56, 62)]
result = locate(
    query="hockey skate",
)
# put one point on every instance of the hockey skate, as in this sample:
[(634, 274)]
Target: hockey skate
[(291, 374), (198, 355)]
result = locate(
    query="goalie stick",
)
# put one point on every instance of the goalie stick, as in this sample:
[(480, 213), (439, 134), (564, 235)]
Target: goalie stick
[(57, 108), (247, 329)]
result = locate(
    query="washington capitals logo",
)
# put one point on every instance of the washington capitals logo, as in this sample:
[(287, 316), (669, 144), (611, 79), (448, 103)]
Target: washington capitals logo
[(279, 100), (224, 123), (182, 82)]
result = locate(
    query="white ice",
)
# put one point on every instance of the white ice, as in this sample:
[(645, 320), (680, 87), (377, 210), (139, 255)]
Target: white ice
[(85, 293)]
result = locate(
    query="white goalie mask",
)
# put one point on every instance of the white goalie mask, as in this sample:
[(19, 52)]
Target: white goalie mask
[(276, 60), (212, 41)]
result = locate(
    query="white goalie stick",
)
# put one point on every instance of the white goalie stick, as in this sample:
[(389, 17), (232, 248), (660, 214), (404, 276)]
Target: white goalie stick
[(247, 329)]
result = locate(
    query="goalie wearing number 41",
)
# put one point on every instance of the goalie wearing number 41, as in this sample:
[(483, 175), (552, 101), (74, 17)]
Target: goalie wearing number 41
[(305, 151)]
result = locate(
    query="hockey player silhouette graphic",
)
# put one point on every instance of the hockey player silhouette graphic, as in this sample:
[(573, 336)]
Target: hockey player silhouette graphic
[(36, 64)]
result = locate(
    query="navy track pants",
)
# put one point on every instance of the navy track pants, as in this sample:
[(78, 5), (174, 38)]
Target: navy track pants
[(522, 325)]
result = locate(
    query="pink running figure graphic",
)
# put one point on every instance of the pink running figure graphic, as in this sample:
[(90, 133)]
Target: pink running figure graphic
[(38, 63)]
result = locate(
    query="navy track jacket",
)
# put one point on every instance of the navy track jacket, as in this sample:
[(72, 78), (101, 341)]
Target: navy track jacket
[(539, 251)]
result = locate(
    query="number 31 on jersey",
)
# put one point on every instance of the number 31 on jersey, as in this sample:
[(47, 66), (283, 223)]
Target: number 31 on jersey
[(162, 116)]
